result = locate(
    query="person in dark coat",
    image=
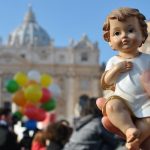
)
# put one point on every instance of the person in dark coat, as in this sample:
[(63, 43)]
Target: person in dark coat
[(89, 133), (26, 141), (8, 139)]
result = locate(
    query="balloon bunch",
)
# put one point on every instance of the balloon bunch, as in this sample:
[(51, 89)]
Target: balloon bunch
[(32, 94)]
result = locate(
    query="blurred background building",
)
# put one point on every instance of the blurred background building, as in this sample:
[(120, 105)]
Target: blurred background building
[(75, 68)]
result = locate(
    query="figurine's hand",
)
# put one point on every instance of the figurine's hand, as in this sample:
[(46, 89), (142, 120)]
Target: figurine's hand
[(111, 75), (124, 66)]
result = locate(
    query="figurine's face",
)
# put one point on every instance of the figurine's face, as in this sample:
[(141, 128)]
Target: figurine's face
[(125, 36)]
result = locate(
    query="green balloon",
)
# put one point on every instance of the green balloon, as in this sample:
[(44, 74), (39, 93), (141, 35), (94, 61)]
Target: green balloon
[(12, 86), (18, 114), (50, 105)]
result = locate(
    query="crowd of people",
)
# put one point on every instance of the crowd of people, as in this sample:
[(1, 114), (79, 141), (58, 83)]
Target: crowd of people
[(87, 133), (8, 138)]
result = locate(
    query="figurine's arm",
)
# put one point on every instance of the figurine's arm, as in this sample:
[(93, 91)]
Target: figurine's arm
[(109, 77)]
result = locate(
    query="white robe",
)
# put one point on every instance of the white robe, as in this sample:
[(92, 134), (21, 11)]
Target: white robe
[(129, 87)]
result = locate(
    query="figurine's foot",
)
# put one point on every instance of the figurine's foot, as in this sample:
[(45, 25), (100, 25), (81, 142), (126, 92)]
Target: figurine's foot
[(134, 145), (132, 138), (132, 134)]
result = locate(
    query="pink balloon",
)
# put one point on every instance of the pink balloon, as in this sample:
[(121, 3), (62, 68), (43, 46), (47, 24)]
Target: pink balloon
[(46, 95), (52, 117)]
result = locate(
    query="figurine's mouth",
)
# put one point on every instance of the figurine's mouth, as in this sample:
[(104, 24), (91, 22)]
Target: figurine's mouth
[(125, 42), (125, 45)]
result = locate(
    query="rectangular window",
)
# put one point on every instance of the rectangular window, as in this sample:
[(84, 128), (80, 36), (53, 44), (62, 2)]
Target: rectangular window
[(84, 56)]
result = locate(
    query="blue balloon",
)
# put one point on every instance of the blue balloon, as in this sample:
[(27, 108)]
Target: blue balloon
[(30, 124)]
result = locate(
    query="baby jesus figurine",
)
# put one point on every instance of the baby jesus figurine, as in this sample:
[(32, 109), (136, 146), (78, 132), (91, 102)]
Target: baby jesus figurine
[(128, 108)]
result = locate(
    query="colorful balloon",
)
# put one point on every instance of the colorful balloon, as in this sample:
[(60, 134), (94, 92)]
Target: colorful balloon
[(30, 111), (46, 95), (45, 80), (34, 113), (55, 90), (19, 98), (18, 115), (30, 82), (50, 105), (30, 124), (52, 117), (21, 78), (12, 86), (33, 93), (41, 114), (34, 75)]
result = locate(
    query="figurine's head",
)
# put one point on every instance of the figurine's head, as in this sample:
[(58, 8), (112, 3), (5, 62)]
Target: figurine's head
[(126, 21)]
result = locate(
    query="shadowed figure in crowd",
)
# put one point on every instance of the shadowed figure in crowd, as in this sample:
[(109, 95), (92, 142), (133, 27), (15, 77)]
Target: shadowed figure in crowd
[(58, 134), (89, 134), (26, 141), (8, 139)]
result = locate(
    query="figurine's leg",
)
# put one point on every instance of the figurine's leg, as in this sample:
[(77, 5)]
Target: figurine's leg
[(100, 102), (134, 145), (120, 116), (143, 125), (146, 144)]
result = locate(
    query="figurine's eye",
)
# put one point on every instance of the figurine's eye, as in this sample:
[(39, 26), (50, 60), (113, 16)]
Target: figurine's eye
[(117, 33), (131, 30)]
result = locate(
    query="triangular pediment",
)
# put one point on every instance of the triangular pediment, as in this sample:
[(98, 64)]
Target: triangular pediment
[(84, 43)]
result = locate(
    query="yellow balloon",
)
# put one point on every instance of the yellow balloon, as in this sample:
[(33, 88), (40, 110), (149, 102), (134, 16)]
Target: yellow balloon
[(33, 93), (46, 80), (21, 78)]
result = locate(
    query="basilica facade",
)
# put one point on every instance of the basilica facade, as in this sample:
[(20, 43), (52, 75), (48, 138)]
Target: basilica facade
[(75, 68)]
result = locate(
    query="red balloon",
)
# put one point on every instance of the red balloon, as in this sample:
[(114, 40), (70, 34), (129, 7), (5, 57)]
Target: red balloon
[(52, 117), (46, 95), (41, 114), (34, 113), (30, 111)]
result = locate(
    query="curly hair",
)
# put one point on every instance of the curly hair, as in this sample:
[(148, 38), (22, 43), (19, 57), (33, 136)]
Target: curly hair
[(121, 14), (59, 131)]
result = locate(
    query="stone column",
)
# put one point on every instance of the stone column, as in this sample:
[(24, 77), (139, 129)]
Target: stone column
[(70, 90), (95, 88)]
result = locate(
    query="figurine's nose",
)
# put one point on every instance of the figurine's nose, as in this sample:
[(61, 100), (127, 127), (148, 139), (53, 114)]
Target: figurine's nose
[(124, 34)]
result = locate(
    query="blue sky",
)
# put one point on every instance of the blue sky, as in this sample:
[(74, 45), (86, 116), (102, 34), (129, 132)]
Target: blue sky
[(67, 19)]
